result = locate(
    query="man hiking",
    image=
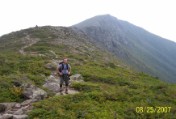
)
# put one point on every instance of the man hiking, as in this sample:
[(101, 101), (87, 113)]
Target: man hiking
[(64, 70)]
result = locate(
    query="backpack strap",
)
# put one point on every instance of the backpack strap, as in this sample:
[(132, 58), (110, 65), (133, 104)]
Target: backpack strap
[(67, 67), (62, 66)]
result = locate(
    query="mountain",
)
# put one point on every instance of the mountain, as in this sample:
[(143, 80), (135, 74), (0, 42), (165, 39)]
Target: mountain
[(135, 46), (28, 60)]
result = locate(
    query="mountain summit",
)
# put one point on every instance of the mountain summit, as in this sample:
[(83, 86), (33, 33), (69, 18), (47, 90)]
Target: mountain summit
[(135, 46)]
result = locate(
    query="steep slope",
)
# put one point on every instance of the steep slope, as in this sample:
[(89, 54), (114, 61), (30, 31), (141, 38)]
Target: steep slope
[(138, 48), (110, 89), (24, 54)]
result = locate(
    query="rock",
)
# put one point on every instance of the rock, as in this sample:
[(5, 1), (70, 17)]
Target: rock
[(51, 78), (39, 94), (7, 106), (33, 92), (76, 77), (20, 116), (52, 83), (19, 112), (27, 102), (27, 108), (7, 116), (17, 105), (9, 112), (52, 86), (2, 108)]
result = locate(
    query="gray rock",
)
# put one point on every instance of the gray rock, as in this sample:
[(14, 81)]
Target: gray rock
[(20, 116), (9, 112), (33, 92), (19, 112), (7, 106), (2, 108), (27, 102), (51, 78), (39, 94), (52, 83), (26, 108), (52, 86), (76, 77), (7, 116), (17, 105)]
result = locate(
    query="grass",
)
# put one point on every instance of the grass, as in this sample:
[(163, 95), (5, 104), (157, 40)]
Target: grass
[(107, 95), (15, 67), (110, 90)]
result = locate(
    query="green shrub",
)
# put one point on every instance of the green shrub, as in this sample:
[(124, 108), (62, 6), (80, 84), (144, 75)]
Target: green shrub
[(86, 87)]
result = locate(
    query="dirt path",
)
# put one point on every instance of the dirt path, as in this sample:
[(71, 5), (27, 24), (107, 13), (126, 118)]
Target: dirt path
[(70, 91), (28, 42)]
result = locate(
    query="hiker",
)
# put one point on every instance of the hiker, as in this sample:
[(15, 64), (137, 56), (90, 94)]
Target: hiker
[(64, 70)]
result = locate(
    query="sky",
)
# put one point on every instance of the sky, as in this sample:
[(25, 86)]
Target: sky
[(156, 16)]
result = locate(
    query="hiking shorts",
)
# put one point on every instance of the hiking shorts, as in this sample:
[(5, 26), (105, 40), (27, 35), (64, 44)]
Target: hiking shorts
[(64, 79)]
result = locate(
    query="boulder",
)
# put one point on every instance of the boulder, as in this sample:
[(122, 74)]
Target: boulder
[(20, 116), (76, 77), (54, 87), (7, 116), (17, 105), (52, 83), (33, 92), (2, 108), (6, 106), (51, 78), (19, 112)]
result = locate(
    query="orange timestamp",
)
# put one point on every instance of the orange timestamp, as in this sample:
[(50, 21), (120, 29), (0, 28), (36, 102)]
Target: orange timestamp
[(151, 110)]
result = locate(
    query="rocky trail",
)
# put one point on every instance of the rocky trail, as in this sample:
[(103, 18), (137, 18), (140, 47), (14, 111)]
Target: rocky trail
[(28, 42), (32, 93), (14, 110)]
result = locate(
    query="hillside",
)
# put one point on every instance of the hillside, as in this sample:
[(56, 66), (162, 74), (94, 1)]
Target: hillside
[(110, 89), (135, 46)]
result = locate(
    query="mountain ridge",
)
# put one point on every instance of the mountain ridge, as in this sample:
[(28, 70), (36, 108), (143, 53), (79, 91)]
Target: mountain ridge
[(137, 47), (110, 89)]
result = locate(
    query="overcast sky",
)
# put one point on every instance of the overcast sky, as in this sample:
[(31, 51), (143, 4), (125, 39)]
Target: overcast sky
[(156, 16)]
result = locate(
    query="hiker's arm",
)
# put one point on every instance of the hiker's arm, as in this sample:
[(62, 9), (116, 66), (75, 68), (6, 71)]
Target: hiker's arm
[(69, 69), (57, 70)]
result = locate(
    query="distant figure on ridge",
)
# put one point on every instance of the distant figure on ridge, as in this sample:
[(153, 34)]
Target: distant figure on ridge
[(64, 71)]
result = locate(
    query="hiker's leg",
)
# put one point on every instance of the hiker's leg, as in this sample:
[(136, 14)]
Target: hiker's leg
[(66, 86), (61, 83)]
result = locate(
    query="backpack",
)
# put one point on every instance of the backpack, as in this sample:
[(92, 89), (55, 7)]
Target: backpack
[(62, 66)]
